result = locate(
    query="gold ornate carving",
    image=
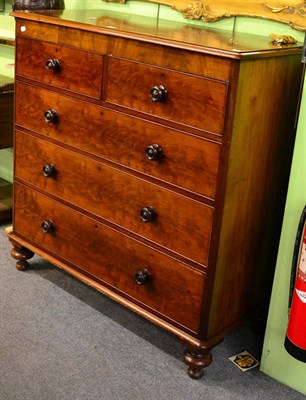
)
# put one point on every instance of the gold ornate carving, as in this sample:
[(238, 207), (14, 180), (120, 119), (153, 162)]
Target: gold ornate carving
[(291, 12), (282, 39), (199, 10), (298, 9)]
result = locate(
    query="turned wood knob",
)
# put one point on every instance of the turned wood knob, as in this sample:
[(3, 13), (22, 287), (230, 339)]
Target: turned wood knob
[(154, 152), (47, 226), (51, 116), (142, 276), (158, 93), (53, 64), (148, 214), (49, 170)]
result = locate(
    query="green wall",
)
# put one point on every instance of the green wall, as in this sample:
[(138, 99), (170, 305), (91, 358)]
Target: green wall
[(275, 361)]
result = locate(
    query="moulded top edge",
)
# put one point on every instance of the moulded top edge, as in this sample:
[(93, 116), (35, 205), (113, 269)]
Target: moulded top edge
[(175, 34)]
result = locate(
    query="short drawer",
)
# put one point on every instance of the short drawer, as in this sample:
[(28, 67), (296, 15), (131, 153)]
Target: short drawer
[(186, 99), (171, 220), (75, 70), (151, 279), (180, 159)]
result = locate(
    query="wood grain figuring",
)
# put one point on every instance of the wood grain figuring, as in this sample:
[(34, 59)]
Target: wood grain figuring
[(100, 248), (210, 66), (260, 152), (188, 162), (220, 142), (117, 197), (186, 337), (36, 30), (178, 35), (131, 88), (80, 72)]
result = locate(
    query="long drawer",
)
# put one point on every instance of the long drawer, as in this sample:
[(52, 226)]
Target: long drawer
[(180, 159), (151, 278), (165, 217), (187, 99), (75, 70)]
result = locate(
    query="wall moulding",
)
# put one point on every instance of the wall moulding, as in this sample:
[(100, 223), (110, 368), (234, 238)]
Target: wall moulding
[(289, 12)]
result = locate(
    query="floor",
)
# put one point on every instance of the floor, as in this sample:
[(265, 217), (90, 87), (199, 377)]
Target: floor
[(62, 340)]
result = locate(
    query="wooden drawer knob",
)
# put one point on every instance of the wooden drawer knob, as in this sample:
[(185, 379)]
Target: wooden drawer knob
[(53, 64), (51, 116), (158, 93), (142, 276), (49, 170), (154, 152), (148, 214), (47, 226)]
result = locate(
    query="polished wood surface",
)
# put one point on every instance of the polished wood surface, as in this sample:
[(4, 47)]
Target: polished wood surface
[(260, 152), (208, 204), (171, 285), (174, 34), (129, 85), (81, 71), (117, 197), (89, 128)]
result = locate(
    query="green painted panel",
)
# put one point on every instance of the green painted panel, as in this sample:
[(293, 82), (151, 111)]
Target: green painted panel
[(265, 27), (6, 164), (276, 362), (7, 61), (131, 7), (7, 23)]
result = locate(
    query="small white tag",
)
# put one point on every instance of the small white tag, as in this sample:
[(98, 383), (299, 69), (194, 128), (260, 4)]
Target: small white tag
[(23, 28), (302, 295)]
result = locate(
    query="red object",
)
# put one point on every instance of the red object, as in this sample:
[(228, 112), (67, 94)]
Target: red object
[(295, 342)]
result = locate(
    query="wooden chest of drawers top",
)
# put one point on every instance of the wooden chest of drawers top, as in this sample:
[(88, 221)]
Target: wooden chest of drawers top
[(119, 64)]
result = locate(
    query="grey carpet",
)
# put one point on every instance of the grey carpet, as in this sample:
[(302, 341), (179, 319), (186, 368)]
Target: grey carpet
[(62, 340)]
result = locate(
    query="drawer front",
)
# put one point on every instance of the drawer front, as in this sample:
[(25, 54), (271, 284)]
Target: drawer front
[(178, 223), (171, 289), (37, 30), (78, 71), (182, 160), (187, 99)]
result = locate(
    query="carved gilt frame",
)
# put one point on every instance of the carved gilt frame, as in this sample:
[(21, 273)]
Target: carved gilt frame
[(287, 11)]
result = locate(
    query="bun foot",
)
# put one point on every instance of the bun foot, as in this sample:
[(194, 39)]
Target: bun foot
[(197, 360), (21, 254), (22, 265)]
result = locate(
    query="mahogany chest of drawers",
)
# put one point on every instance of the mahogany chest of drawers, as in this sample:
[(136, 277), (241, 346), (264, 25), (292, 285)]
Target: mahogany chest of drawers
[(152, 163)]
